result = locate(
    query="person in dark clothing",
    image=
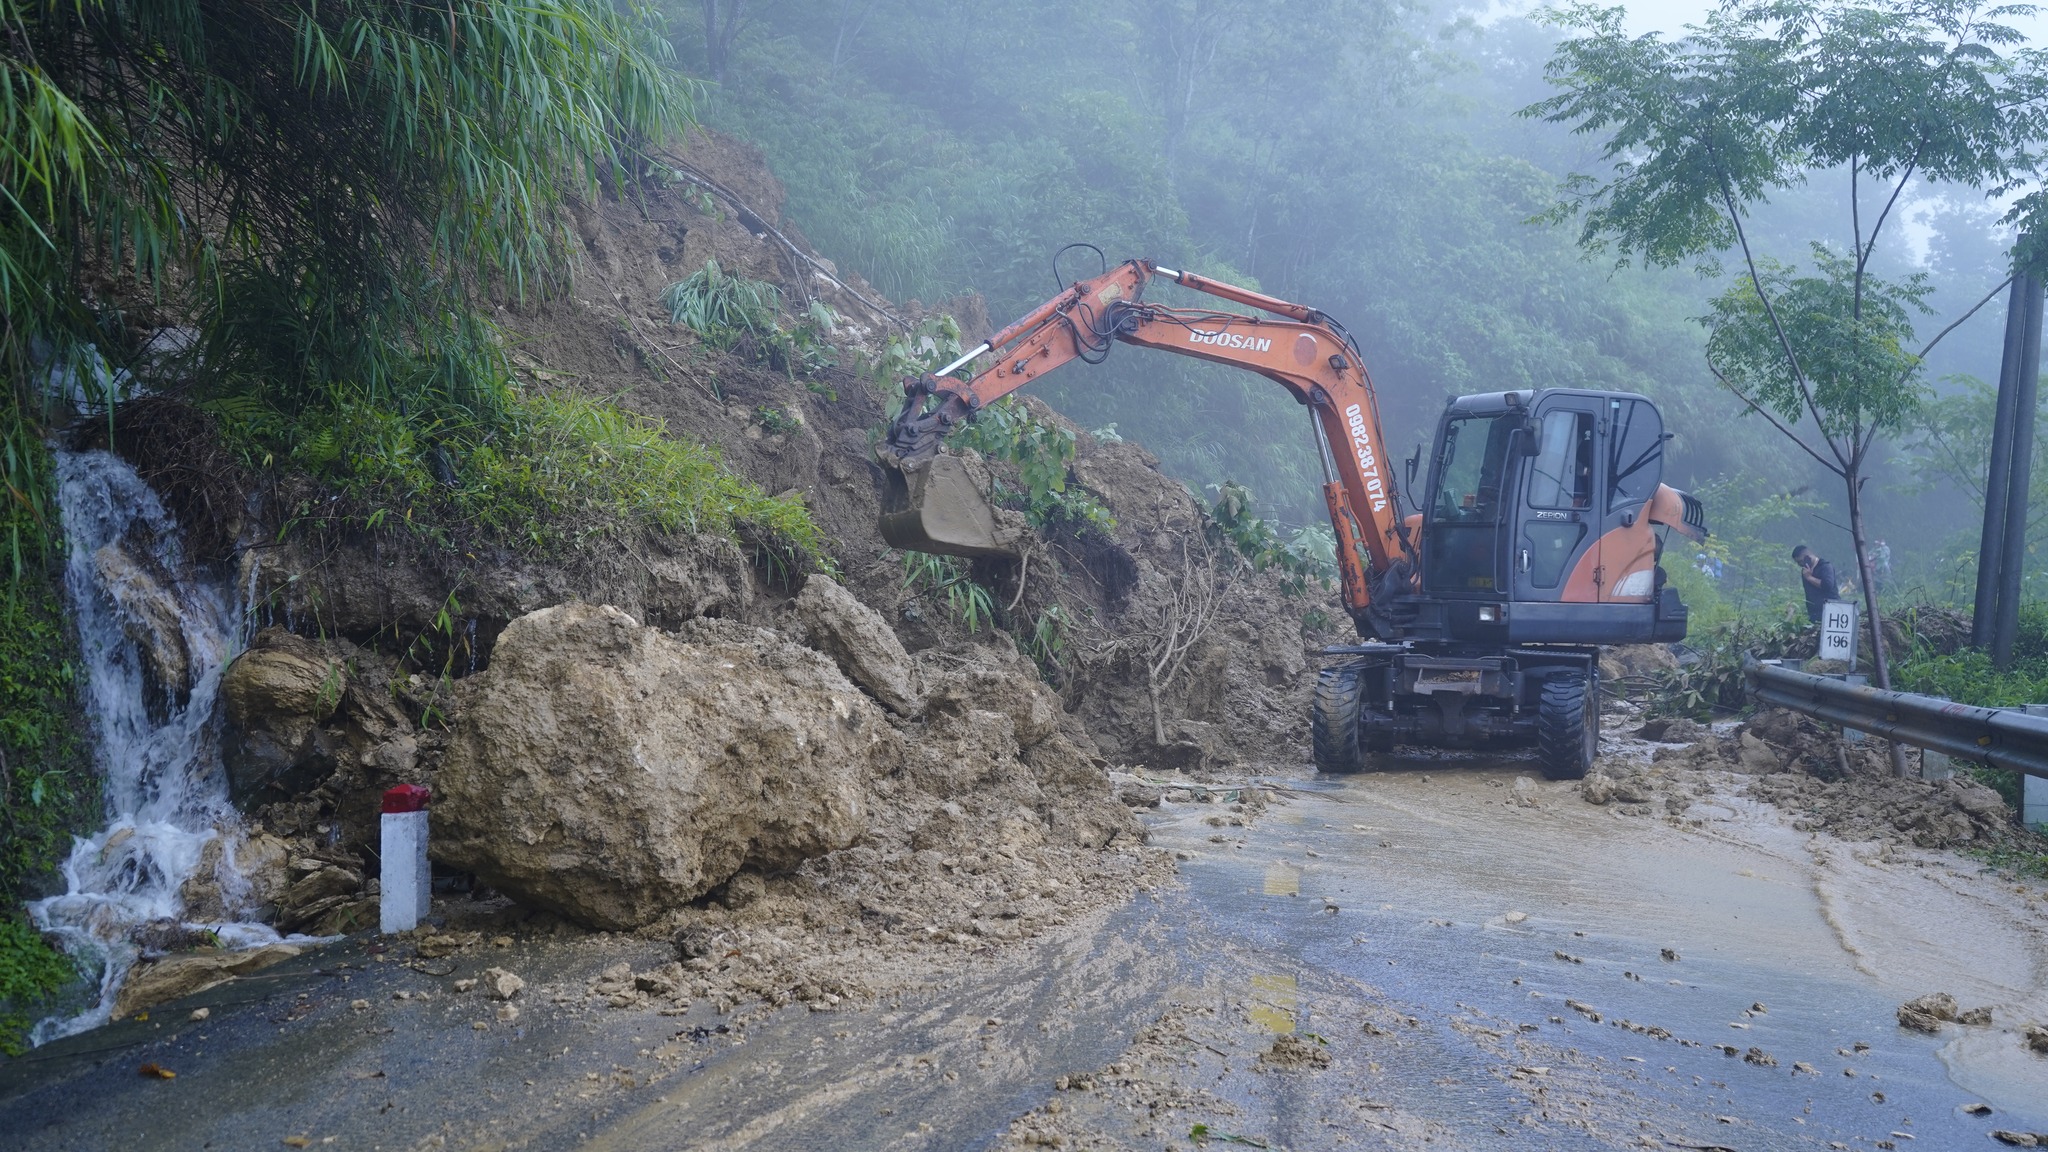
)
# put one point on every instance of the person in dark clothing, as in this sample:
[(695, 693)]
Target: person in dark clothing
[(1818, 578)]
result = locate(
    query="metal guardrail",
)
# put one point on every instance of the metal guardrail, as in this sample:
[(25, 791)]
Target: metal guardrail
[(1999, 737)]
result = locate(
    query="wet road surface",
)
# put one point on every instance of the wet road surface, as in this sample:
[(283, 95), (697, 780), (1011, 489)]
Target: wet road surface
[(1461, 970)]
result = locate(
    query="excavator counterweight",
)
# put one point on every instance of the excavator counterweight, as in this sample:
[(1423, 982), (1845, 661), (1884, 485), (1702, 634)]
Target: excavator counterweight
[(1481, 607)]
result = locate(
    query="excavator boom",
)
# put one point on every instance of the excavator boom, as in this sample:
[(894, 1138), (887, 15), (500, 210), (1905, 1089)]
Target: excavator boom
[(1297, 347)]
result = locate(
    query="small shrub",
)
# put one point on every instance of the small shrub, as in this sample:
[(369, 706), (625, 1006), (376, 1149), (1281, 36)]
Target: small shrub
[(777, 422), (946, 579), (723, 309), (1312, 555), (31, 973), (1042, 452)]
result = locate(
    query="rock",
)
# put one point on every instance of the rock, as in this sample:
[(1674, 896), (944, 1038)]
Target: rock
[(1596, 789), (317, 886), (177, 976), (1754, 756), (468, 985), (200, 1015), (499, 984), (436, 946), (1673, 730), (1633, 791), (1515, 917), (1636, 660), (2016, 1139), (1524, 791), (150, 616), (861, 642), (996, 680), (2037, 1038), (276, 695), (1928, 1013), (1975, 1017), (508, 1013), (1293, 1053), (1138, 795), (610, 772)]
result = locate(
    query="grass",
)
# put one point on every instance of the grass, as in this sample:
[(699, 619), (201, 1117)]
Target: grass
[(553, 474)]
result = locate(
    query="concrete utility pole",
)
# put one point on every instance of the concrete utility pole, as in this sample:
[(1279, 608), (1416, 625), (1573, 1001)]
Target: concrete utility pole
[(2001, 558)]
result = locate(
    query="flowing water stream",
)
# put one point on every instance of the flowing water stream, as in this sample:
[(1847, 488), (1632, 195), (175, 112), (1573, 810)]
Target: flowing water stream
[(155, 634)]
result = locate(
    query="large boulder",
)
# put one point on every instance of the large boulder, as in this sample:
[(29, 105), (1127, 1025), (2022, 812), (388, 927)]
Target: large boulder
[(861, 642), (612, 772)]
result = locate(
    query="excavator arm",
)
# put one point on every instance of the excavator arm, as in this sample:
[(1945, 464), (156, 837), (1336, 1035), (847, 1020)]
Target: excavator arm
[(1295, 346)]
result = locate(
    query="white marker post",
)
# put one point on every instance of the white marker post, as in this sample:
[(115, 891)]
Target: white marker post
[(1838, 632), (406, 886)]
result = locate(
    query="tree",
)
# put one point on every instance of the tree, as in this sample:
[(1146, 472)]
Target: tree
[(723, 21), (1698, 133)]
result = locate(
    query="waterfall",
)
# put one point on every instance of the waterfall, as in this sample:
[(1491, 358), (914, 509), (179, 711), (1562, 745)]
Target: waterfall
[(155, 635)]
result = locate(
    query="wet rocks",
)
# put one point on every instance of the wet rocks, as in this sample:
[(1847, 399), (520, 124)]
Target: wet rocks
[(276, 696), (611, 772), (861, 642), (151, 616), (1928, 1013), (1597, 788), (2036, 1036), (298, 712), (173, 977)]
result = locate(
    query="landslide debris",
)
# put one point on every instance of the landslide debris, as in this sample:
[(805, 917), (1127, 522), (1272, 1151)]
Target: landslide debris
[(1801, 766), (872, 784)]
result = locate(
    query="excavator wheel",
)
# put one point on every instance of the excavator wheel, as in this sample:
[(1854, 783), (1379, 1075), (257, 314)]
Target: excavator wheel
[(1335, 724), (1567, 726)]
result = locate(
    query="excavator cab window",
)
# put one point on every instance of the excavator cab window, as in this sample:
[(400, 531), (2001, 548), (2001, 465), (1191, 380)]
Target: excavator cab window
[(1471, 472), (1635, 444)]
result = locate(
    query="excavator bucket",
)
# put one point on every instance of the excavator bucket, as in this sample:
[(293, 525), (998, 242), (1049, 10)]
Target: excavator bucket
[(936, 506)]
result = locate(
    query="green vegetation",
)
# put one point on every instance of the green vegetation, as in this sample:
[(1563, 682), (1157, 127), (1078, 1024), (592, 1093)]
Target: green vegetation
[(1043, 452), (48, 790), (552, 473), (1699, 133), (1311, 557), (735, 314), (31, 972), (949, 581)]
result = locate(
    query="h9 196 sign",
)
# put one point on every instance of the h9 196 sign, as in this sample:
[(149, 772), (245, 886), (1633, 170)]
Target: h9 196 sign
[(1838, 631)]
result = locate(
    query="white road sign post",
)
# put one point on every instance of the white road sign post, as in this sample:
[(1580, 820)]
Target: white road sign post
[(1838, 632)]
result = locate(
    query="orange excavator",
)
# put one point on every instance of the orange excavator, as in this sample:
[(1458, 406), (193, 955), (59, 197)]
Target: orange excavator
[(1481, 609)]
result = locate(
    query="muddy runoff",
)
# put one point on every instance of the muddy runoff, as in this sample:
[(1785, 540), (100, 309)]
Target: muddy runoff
[(1449, 953)]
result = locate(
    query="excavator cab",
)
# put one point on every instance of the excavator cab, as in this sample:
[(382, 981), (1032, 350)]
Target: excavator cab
[(1538, 521)]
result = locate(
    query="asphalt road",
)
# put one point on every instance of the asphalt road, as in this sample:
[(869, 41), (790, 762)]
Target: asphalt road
[(1462, 971)]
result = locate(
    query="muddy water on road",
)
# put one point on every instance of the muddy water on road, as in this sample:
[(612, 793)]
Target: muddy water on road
[(1479, 913)]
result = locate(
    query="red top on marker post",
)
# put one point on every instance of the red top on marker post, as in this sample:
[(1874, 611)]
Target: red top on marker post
[(406, 798)]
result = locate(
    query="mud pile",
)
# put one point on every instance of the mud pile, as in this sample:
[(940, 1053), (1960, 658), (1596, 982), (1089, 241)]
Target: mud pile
[(1805, 768)]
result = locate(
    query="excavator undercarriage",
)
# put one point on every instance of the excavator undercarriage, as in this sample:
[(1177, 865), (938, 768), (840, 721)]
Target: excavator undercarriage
[(1537, 537)]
